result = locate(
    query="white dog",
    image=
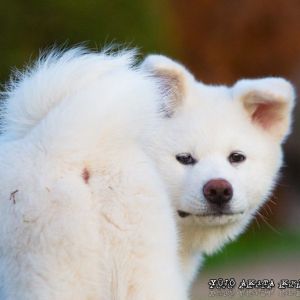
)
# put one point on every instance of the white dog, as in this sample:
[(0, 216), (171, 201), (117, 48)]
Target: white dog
[(219, 153), (83, 212), (217, 148)]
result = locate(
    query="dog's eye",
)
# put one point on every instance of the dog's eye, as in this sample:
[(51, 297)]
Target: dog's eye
[(236, 157), (186, 159)]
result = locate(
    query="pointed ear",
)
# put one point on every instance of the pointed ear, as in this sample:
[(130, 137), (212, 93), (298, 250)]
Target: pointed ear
[(269, 103), (172, 79)]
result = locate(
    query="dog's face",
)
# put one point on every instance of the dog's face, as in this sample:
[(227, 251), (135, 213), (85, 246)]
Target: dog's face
[(220, 147)]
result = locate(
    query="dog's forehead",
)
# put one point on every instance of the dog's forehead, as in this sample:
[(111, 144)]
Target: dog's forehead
[(211, 103), (213, 92), (212, 118)]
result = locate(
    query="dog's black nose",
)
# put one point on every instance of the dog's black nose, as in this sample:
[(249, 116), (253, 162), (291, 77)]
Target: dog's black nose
[(218, 191)]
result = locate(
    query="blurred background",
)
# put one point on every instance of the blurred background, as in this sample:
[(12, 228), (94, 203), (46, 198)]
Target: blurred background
[(220, 42)]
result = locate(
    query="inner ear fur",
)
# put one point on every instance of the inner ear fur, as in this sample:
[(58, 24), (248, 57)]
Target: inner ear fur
[(172, 90), (171, 78), (269, 105)]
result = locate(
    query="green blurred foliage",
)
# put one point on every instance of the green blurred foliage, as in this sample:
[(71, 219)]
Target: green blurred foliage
[(26, 27), (256, 244)]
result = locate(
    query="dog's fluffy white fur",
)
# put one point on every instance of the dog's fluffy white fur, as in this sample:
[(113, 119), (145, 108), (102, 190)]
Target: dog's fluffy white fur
[(84, 213), (82, 112), (209, 123)]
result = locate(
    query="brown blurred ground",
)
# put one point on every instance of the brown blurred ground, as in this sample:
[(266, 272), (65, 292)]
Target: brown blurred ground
[(225, 40)]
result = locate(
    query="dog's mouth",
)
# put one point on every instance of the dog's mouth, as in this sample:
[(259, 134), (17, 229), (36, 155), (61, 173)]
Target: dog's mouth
[(184, 214)]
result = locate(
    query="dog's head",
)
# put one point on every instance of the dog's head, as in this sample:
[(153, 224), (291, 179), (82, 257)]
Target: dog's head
[(220, 147)]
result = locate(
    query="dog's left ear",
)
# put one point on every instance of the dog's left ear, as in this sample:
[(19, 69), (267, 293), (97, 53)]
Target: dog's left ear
[(269, 103), (171, 78)]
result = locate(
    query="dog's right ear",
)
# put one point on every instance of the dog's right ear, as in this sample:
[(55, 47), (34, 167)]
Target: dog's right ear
[(171, 78)]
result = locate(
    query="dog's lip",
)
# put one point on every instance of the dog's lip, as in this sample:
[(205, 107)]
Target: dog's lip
[(184, 214)]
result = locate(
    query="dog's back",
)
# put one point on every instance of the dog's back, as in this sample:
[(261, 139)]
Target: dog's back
[(84, 214)]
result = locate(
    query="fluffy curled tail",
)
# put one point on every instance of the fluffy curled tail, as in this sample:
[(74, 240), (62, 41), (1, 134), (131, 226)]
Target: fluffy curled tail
[(31, 94)]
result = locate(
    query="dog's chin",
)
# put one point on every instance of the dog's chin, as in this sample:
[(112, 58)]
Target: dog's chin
[(218, 218)]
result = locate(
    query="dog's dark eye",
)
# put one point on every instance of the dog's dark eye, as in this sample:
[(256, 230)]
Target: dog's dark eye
[(236, 157), (186, 159)]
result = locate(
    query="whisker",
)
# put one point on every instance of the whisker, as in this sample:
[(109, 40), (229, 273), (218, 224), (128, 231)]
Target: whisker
[(268, 208), (268, 224), (257, 222), (265, 210), (272, 201), (285, 185)]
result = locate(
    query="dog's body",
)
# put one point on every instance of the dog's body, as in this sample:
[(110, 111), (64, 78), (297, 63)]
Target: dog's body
[(205, 139), (84, 214)]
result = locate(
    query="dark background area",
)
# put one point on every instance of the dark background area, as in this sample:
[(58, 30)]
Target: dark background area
[(220, 42)]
